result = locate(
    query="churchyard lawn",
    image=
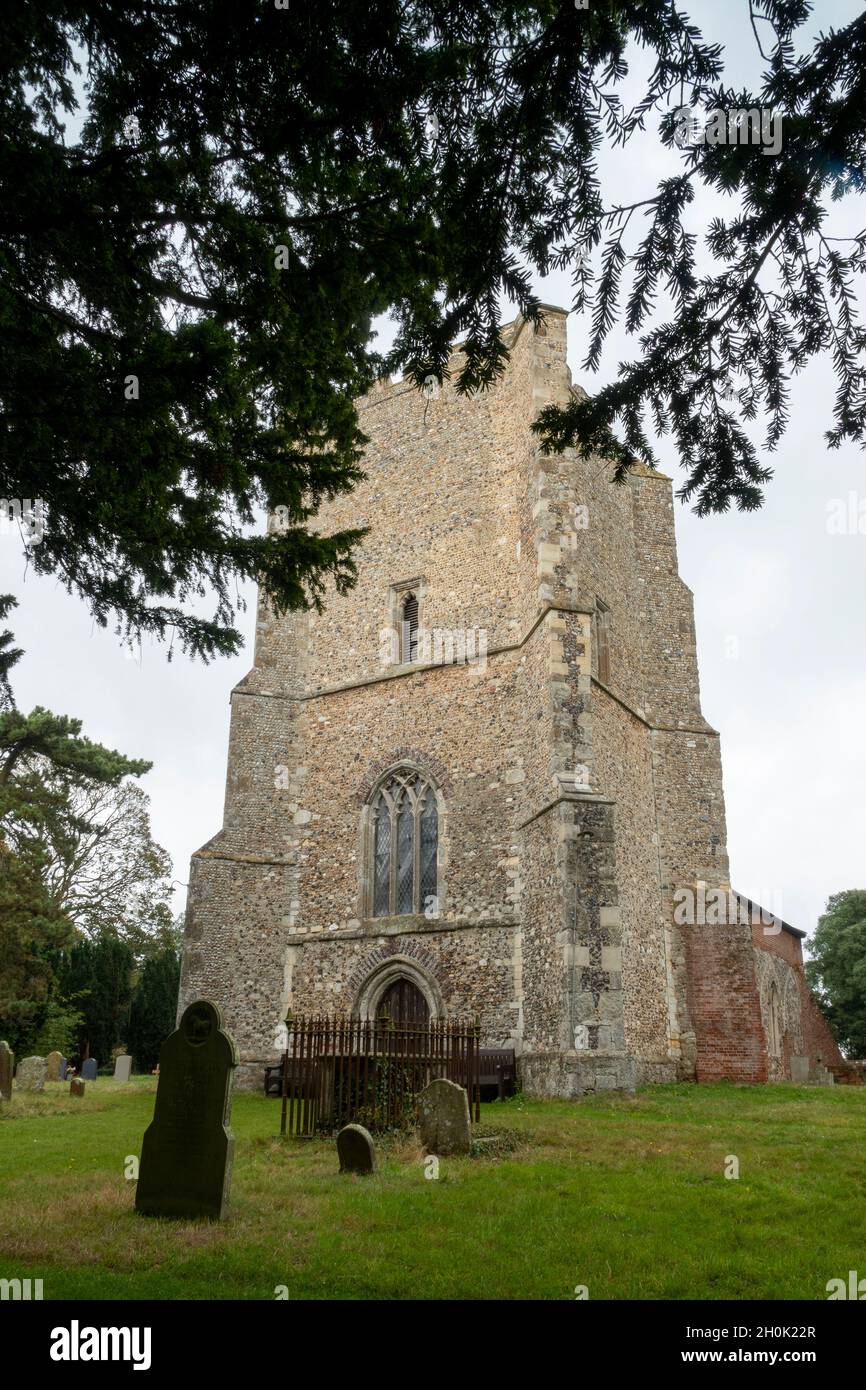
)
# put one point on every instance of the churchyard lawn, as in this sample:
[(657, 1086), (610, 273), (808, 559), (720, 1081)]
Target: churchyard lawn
[(624, 1195)]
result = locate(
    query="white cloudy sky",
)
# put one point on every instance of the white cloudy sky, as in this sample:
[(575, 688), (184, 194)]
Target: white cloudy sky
[(781, 626)]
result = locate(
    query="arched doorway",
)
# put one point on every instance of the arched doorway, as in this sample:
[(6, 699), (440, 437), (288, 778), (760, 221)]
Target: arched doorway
[(403, 1002), (423, 1002)]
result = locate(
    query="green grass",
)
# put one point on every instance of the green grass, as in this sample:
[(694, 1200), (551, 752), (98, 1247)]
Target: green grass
[(626, 1195)]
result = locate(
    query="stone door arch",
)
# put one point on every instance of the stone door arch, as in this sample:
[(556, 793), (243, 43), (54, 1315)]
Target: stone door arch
[(397, 976)]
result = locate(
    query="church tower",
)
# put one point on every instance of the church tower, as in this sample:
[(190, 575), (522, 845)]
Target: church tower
[(473, 785)]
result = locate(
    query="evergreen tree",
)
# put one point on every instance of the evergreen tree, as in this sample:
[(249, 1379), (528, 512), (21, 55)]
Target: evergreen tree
[(204, 208), (99, 976), (32, 933), (154, 1008), (8, 654)]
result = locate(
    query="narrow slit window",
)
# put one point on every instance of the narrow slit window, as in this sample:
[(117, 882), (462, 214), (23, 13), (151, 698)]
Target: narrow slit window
[(602, 643), (409, 629)]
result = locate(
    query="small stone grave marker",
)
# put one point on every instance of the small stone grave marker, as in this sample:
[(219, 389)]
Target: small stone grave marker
[(76, 1087), (52, 1063), (122, 1068), (30, 1075), (88, 1069), (444, 1112), (356, 1150), (188, 1149)]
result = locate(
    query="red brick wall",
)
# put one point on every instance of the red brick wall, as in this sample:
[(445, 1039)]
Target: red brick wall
[(723, 1004), (817, 1038)]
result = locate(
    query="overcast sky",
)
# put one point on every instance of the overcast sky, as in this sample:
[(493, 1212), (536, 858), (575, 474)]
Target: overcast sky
[(779, 603)]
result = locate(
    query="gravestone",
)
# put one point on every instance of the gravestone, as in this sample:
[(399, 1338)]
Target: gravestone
[(122, 1068), (52, 1063), (444, 1112), (88, 1069), (30, 1075), (356, 1150), (800, 1069), (63, 1066), (7, 1066), (188, 1149), (76, 1087)]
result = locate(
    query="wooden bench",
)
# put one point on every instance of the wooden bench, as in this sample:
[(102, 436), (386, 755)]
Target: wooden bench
[(274, 1080), (498, 1067), (304, 1086)]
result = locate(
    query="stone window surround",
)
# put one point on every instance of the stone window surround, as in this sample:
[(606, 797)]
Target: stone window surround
[(367, 845), (397, 594), (396, 795)]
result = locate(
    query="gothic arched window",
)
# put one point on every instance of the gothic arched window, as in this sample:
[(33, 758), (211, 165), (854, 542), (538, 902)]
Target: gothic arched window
[(405, 844)]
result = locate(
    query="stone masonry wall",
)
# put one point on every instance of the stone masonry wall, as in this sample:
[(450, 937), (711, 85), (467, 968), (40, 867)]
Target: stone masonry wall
[(570, 807), (779, 959)]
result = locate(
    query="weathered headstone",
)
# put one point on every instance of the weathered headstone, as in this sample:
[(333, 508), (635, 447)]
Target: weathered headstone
[(7, 1066), (30, 1075), (63, 1066), (52, 1063), (444, 1113), (122, 1068), (76, 1087), (356, 1150), (800, 1069), (88, 1069), (188, 1149)]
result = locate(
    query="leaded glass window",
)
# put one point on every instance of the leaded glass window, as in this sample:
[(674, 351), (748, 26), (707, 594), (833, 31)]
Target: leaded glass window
[(405, 844), (382, 857)]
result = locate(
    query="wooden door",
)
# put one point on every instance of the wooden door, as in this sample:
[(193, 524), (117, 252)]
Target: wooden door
[(403, 1002)]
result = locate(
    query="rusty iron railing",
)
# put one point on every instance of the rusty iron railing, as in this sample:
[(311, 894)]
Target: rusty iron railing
[(337, 1071)]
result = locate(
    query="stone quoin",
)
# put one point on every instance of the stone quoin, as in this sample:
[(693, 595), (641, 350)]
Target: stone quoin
[(501, 840)]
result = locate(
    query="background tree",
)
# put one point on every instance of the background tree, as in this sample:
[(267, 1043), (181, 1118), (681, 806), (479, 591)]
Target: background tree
[(154, 1007), (59, 1031), (101, 865), (836, 969), (32, 933), (99, 976), (204, 208), (8, 654), (76, 859)]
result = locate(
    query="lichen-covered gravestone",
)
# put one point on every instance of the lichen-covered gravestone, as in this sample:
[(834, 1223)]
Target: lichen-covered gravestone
[(444, 1114), (76, 1087), (122, 1068), (188, 1149), (356, 1150), (53, 1063), (7, 1066), (30, 1075), (88, 1069)]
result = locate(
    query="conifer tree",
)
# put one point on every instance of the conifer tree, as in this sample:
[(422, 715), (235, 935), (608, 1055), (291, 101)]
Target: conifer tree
[(204, 209)]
